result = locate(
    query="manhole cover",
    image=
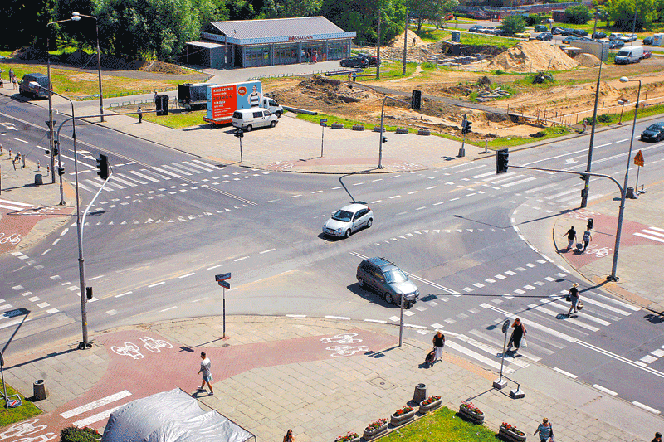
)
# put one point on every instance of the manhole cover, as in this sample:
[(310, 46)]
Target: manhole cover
[(381, 383)]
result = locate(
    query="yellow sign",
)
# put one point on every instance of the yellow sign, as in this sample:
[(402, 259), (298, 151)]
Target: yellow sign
[(638, 159)]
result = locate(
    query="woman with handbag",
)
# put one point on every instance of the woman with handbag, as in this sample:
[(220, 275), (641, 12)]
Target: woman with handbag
[(517, 334), (574, 299), (545, 430)]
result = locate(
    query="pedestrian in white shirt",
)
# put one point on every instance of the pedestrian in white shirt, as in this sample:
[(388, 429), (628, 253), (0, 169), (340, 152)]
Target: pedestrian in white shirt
[(206, 366)]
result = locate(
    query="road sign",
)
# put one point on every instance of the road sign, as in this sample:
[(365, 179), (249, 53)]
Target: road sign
[(638, 159), (224, 284), (506, 324), (222, 276)]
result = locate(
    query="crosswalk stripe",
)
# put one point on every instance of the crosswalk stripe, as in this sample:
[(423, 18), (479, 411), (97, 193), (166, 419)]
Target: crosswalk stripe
[(211, 166), (197, 166), (183, 167), (514, 183), (95, 418), (16, 208), (558, 195), (125, 182), (654, 238), (506, 176), (167, 172), (620, 303), (142, 175), (490, 362), (500, 342), (607, 307), (132, 179), (95, 404), (97, 185), (153, 174), (656, 228), (496, 352), (570, 320), (16, 203), (168, 166), (654, 233), (114, 185), (584, 315)]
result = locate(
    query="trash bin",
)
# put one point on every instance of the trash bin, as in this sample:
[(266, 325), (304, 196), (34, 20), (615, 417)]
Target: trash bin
[(162, 104), (420, 393), (630, 193), (38, 179), (456, 36), (39, 390)]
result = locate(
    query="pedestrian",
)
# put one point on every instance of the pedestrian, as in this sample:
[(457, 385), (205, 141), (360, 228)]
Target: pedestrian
[(289, 436), (438, 342), (14, 82), (517, 335), (23, 161), (545, 430), (140, 115), (574, 299), (571, 237), (207, 373), (586, 239), (585, 125), (658, 437)]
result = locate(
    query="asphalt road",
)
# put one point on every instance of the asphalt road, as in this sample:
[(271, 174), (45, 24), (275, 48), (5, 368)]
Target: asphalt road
[(168, 222)]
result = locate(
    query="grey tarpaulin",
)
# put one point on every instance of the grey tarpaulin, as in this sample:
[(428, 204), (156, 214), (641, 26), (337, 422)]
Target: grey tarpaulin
[(170, 416)]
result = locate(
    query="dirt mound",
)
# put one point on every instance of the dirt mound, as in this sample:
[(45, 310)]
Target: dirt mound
[(163, 68), (587, 60), (398, 40), (530, 56)]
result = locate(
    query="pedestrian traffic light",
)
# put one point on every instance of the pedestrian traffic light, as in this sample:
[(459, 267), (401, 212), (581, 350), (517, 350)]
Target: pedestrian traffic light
[(384, 139), (61, 171), (48, 123), (502, 158), (465, 126), (416, 101), (88, 292), (239, 133), (102, 165)]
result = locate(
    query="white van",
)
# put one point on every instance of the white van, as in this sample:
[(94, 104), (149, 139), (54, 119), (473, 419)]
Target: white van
[(629, 54), (271, 105), (658, 39), (248, 119)]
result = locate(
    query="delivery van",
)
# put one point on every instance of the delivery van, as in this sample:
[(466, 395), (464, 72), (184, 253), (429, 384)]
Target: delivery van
[(248, 119), (629, 54)]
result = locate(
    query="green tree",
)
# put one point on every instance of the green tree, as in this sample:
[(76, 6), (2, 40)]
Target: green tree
[(533, 19), (579, 14), (513, 24), (431, 10), (621, 13), (290, 8), (24, 23), (361, 16)]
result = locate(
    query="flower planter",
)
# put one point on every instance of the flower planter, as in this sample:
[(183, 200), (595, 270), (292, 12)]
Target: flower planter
[(337, 126), (510, 435), (402, 130), (375, 433), (402, 419), (471, 415), (377, 129), (358, 127), (357, 439), (432, 406), (423, 132)]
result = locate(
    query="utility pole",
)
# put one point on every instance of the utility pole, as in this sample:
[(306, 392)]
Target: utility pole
[(586, 179), (50, 109), (405, 44), (378, 48)]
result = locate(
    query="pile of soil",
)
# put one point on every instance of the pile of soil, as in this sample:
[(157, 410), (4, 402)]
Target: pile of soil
[(531, 56), (163, 68), (587, 60)]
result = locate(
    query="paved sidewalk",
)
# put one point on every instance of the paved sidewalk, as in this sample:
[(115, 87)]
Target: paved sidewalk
[(323, 385)]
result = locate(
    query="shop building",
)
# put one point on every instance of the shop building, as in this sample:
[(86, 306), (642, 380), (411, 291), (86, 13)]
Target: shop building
[(249, 43)]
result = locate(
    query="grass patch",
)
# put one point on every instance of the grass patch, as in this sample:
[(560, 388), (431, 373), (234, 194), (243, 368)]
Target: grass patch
[(176, 118), (549, 132), (331, 119), (441, 426), (467, 38), (648, 111), (11, 415), (83, 86), (389, 70)]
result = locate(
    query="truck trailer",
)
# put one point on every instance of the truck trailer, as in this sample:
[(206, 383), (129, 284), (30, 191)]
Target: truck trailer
[(224, 99), (193, 96)]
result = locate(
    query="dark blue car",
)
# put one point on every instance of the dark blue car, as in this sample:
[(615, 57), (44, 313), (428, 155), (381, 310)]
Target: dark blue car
[(654, 132)]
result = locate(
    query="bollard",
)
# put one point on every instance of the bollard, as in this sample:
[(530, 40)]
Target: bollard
[(420, 393), (38, 179), (38, 165)]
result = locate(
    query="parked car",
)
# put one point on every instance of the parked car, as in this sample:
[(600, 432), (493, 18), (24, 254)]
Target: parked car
[(568, 31), (615, 36), (34, 85), (248, 119), (354, 62), (388, 280), (557, 30), (570, 39), (616, 44), (629, 37), (475, 29), (371, 59), (349, 219), (522, 35), (545, 36), (648, 40), (647, 54), (654, 132), (541, 28), (629, 54), (598, 35), (580, 32)]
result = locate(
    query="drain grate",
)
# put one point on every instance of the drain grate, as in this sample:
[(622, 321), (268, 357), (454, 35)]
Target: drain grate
[(381, 383)]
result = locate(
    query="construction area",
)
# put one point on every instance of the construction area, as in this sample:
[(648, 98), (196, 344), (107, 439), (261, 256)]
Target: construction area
[(513, 92)]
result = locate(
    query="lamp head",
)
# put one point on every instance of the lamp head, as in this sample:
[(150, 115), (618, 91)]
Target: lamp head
[(624, 79), (75, 16)]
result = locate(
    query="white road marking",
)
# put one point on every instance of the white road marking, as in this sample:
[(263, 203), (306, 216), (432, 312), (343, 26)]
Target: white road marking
[(647, 408), (185, 275), (605, 390), (122, 294), (563, 372), (266, 251), (156, 284), (95, 418)]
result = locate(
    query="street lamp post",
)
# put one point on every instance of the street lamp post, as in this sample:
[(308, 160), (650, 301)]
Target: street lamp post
[(621, 211), (382, 114), (50, 112), (55, 143), (586, 180), (76, 16)]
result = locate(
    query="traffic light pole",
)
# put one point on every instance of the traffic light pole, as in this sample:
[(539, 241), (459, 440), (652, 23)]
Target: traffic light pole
[(382, 115)]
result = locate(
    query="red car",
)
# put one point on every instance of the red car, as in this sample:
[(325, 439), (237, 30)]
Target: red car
[(647, 54)]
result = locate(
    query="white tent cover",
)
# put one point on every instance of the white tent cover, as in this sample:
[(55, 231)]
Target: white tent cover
[(170, 416)]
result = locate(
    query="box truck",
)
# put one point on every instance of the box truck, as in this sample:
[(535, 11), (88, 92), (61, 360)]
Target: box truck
[(193, 96), (224, 99), (629, 54)]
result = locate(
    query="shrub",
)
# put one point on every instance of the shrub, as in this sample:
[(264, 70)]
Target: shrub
[(577, 14), (604, 118), (533, 19), (513, 24), (75, 434)]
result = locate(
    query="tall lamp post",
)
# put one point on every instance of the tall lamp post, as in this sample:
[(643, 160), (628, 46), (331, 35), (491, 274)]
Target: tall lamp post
[(382, 136), (621, 211), (76, 16)]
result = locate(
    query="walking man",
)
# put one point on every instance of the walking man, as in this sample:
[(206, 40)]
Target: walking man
[(140, 115), (658, 437), (439, 342), (571, 237), (517, 335), (545, 431), (586, 239), (574, 298), (206, 366)]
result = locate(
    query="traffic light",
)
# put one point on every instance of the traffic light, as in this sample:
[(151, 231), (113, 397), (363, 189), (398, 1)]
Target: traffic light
[(416, 101), (48, 123), (384, 139), (502, 158), (88, 292), (102, 165), (465, 126), (239, 133), (61, 170)]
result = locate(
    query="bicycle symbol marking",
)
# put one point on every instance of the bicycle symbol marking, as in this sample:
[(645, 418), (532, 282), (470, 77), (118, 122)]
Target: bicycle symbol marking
[(153, 345), (130, 349), (343, 338), (581, 215), (25, 429), (13, 239), (346, 350), (598, 252)]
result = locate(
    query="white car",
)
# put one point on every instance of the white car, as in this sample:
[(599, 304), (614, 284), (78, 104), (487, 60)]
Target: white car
[(248, 119), (349, 219)]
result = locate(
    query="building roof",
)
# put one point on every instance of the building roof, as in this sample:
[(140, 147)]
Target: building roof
[(276, 27), (204, 44)]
